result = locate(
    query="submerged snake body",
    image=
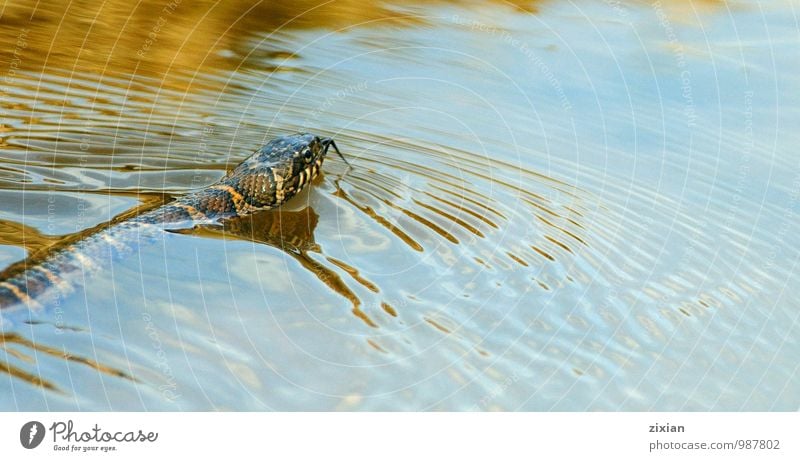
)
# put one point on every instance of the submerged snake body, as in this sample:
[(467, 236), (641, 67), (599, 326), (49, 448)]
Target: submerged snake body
[(268, 178)]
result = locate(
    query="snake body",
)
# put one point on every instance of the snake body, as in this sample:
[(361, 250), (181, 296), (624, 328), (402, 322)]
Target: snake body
[(268, 178)]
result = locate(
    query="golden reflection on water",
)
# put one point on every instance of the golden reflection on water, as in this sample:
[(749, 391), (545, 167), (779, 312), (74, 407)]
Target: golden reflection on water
[(173, 40), (8, 341), (18, 234), (158, 37)]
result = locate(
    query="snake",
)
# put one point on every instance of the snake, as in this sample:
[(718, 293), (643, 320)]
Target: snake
[(268, 178)]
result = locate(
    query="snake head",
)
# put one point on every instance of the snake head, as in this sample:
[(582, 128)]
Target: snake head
[(279, 170), (291, 154)]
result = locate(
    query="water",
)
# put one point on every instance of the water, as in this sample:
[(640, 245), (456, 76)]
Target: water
[(553, 205)]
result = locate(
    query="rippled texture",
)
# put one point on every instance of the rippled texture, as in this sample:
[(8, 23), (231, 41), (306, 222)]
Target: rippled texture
[(552, 206)]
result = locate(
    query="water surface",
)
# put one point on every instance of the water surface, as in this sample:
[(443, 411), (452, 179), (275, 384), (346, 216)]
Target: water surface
[(553, 205)]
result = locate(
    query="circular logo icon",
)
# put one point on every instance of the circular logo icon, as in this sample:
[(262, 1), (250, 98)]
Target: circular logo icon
[(31, 434)]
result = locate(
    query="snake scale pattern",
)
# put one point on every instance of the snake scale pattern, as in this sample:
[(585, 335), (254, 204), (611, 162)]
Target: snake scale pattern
[(268, 178)]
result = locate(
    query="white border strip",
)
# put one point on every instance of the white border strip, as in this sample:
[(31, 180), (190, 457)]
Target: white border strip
[(403, 436)]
